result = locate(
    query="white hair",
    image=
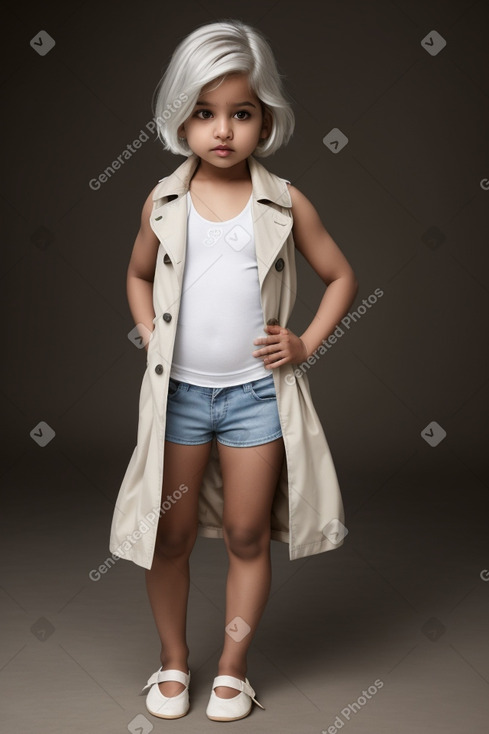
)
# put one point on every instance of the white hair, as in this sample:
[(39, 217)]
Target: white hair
[(207, 54)]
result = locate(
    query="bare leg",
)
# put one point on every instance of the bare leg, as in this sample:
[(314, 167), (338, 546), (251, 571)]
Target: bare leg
[(168, 580), (250, 478)]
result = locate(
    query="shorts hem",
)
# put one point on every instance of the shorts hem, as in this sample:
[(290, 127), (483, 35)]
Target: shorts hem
[(186, 442), (255, 442)]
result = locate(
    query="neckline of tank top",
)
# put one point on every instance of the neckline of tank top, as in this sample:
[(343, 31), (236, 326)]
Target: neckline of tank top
[(224, 221)]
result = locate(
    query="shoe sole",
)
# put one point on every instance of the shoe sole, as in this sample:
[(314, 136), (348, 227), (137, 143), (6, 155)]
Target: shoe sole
[(230, 718), (175, 716)]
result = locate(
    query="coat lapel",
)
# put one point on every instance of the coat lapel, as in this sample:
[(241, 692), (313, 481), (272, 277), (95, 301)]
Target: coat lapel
[(271, 211)]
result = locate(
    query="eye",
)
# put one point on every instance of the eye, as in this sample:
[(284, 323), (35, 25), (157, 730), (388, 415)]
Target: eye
[(203, 112), (243, 112)]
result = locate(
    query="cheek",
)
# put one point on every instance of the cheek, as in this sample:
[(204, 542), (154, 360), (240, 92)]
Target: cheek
[(190, 130)]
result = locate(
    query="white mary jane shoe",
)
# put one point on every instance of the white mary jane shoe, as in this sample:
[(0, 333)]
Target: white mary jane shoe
[(230, 709), (167, 707)]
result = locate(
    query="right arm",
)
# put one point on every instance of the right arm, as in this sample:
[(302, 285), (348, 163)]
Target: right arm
[(141, 270)]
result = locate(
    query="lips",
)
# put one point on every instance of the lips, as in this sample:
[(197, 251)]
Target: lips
[(221, 147)]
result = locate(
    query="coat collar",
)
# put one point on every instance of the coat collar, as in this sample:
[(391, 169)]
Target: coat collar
[(271, 211), (266, 186)]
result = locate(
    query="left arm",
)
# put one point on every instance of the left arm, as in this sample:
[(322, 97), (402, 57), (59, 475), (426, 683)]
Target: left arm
[(325, 257)]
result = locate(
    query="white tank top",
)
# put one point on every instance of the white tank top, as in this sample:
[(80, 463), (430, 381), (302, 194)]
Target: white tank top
[(220, 309)]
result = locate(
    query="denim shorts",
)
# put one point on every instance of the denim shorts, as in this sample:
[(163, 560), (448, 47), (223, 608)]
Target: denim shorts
[(240, 415)]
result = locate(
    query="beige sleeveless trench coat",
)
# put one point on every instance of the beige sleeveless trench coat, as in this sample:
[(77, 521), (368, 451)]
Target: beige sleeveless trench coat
[(307, 510)]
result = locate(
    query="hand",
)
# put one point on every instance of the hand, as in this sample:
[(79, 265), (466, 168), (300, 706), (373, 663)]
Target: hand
[(149, 336), (282, 346)]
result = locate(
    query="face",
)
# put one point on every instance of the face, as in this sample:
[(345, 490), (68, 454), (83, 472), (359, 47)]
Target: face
[(229, 116)]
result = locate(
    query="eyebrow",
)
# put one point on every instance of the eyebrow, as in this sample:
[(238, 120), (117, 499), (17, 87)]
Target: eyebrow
[(234, 104)]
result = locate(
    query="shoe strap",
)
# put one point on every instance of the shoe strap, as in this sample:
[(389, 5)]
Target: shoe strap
[(239, 685), (163, 675)]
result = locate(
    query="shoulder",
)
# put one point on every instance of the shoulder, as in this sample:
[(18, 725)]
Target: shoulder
[(148, 206), (297, 197), (302, 209)]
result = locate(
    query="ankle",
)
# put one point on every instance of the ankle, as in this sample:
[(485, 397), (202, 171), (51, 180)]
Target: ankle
[(236, 670), (183, 666), (175, 662)]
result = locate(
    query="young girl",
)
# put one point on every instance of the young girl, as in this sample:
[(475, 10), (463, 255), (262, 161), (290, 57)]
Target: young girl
[(229, 443)]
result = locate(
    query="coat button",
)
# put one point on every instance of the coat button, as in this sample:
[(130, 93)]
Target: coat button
[(279, 265), (159, 369), (167, 317), (166, 259)]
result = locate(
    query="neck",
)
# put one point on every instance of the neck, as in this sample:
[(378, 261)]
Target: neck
[(207, 172)]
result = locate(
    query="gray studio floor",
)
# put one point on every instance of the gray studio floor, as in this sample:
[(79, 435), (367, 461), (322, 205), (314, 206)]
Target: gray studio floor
[(388, 634), (399, 611)]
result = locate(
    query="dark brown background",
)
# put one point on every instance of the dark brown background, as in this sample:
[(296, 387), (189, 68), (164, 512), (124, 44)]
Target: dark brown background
[(403, 600)]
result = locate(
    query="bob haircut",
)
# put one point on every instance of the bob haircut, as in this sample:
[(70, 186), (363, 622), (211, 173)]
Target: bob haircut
[(207, 54)]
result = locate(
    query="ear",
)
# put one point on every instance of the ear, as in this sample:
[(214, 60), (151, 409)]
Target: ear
[(267, 124)]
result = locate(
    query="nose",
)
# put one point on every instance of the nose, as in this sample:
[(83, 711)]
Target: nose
[(222, 127)]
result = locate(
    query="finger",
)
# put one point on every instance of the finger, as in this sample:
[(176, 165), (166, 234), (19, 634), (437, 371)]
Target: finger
[(267, 340), (271, 365), (272, 349), (275, 356)]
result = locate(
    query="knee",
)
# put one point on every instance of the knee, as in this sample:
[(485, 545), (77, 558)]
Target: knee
[(174, 544), (246, 543)]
